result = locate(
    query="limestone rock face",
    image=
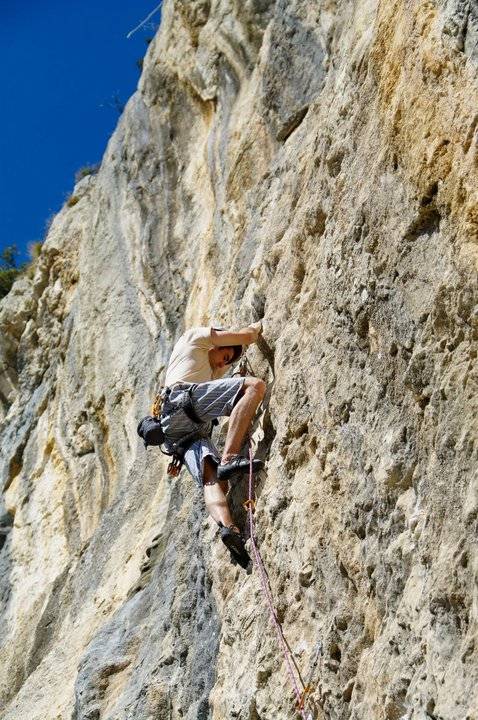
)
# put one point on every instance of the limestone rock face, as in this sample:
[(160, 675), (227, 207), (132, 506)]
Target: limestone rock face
[(314, 164)]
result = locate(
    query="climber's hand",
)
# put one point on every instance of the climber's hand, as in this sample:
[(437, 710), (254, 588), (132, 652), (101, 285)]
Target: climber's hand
[(256, 329)]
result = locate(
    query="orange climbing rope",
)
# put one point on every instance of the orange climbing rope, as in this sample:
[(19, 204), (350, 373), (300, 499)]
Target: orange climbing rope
[(250, 507)]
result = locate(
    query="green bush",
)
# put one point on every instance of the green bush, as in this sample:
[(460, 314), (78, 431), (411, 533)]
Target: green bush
[(7, 278), (9, 270), (34, 249), (86, 170), (72, 200)]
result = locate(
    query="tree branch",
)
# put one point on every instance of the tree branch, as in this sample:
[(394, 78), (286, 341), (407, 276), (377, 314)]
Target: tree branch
[(144, 21)]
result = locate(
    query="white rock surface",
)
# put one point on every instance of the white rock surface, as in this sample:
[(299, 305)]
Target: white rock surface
[(314, 164)]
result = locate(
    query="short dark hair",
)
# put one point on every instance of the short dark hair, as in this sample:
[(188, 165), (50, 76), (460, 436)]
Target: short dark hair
[(237, 349)]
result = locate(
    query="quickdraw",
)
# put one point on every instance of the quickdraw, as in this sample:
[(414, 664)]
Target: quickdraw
[(306, 691), (174, 467), (244, 367)]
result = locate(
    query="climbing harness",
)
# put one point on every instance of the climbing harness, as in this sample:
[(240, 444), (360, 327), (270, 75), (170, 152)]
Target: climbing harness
[(150, 430), (187, 404), (249, 505)]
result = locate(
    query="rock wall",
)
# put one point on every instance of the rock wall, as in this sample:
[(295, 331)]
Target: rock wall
[(315, 164)]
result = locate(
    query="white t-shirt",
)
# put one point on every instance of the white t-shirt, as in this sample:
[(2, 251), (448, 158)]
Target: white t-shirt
[(189, 361)]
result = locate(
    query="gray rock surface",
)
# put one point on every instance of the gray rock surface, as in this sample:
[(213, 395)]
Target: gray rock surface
[(314, 164)]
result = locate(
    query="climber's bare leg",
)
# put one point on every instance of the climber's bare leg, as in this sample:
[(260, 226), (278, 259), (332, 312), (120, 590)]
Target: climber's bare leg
[(215, 496), (240, 419)]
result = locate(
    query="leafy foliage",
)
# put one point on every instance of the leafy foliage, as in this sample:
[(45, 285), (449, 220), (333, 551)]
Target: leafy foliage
[(8, 257), (72, 200), (34, 249), (82, 172), (9, 270), (7, 278)]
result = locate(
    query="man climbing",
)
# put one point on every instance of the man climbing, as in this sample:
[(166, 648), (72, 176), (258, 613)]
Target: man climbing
[(196, 394)]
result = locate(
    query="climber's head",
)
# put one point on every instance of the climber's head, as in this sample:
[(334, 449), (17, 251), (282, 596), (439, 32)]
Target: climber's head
[(219, 357), (237, 352)]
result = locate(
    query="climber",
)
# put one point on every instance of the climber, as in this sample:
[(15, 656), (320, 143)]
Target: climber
[(195, 395)]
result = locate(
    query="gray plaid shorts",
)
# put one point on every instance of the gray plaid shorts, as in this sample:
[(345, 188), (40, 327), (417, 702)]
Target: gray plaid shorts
[(209, 400)]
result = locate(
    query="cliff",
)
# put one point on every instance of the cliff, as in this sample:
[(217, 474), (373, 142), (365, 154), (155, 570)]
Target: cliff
[(314, 164)]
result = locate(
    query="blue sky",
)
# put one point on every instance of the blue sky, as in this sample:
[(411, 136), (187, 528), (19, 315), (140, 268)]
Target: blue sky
[(62, 64)]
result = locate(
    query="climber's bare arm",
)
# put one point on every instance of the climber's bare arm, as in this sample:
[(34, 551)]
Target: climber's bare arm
[(246, 336)]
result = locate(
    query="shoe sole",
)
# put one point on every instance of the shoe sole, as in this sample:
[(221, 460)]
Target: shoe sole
[(235, 545)]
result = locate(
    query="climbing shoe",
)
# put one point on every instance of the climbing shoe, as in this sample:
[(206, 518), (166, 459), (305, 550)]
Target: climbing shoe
[(239, 465), (235, 544)]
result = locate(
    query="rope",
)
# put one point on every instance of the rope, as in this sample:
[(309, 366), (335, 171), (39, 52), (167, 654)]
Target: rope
[(249, 505)]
